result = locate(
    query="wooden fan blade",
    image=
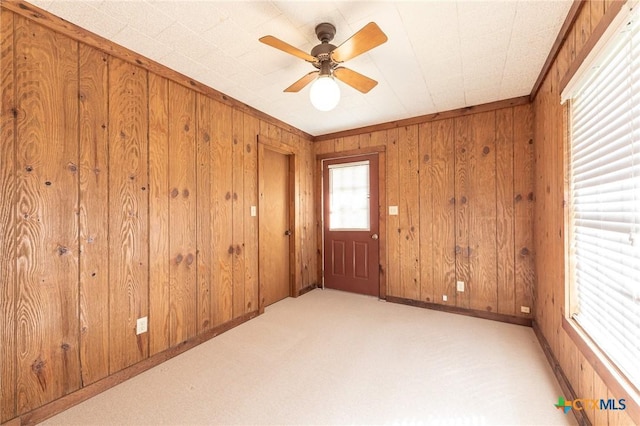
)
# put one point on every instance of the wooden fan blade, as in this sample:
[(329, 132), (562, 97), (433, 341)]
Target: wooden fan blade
[(364, 40), (354, 79), (286, 47), (298, 85)]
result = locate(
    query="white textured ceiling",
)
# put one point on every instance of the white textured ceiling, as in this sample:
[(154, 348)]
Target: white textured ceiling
[(441, 55)]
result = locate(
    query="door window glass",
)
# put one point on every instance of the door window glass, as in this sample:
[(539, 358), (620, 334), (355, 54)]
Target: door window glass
[(349, 196)]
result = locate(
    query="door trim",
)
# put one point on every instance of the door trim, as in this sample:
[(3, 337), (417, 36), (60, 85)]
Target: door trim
[(382, 208), (294, 244)]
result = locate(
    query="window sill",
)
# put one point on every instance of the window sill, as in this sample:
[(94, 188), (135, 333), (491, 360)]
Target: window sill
[(617, 383)]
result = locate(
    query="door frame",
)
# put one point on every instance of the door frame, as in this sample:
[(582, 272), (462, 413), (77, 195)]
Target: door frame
[(382, 208), (293, 203)]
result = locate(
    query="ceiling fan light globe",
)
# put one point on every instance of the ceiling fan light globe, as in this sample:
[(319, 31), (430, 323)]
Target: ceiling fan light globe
[(324, 93)]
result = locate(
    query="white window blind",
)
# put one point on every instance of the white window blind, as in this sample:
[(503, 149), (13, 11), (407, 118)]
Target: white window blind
[(605, 198)]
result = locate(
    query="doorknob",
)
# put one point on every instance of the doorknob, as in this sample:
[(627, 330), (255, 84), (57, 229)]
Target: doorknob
[(374, 237), (287, 232)]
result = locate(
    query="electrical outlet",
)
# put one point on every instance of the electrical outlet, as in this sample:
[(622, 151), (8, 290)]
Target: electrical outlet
[(254, 211), (460, 286), (141, 325), (525, 309), (393, 210), (444, 297)]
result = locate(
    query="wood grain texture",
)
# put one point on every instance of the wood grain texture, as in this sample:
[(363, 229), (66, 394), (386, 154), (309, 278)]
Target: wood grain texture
[(505, 216), (47, 344), (128, 212), (409, 212), (7, 220), (182, 214), (250, 168), (159, 218), (425, 185), (454, 113), (393, 223), (444, 203), (64, 27), (205, 214), (94, 221), (481, 190), (524, 206), (221, 205), (463, 130), (237, 213)]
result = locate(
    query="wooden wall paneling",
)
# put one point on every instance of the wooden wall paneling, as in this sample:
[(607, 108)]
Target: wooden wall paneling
[(128, 212), (365, 139), (221, 200), (482, 218), (46, 66), (205, 212), (237, 213), (597, 8), (409, 212), (305, 207), (599, 390), (505, 216), (462, 127), (250, 146), (585, 383), (444, 210), (393, 223), (94, 222), (294, 206), (310, 220), (339, 145), (182, 213), (351, 142), (524, 206), (425, 176), (582, 28), (323, 147), (159, 216), (270, 131), (7, 220)]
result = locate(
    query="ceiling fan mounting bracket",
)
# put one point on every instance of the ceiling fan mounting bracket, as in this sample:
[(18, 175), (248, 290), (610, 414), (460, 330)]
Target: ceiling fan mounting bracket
[(325, 32)]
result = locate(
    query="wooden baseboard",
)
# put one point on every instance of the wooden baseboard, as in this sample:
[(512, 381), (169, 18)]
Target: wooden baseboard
[(511, 319), (82, 394), (307, 289), (562, 379)]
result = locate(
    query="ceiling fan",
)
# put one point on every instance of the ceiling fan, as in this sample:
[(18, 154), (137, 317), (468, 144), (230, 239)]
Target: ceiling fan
[(328, 58)]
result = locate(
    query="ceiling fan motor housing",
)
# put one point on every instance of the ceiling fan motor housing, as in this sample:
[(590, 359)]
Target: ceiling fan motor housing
[(325, 32), (322, 52)]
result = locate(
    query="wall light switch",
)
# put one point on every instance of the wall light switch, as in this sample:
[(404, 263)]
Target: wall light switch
[(460, 285), (141, 325), (254, 211), (393, 210)]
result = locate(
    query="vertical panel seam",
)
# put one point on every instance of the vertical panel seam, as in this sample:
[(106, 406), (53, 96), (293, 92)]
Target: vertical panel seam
[(15, 216), (108, 160), (197, 196), (147, 185), (78, 215)]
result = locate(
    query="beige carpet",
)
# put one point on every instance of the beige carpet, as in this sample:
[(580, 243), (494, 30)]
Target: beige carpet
[(337, 358)]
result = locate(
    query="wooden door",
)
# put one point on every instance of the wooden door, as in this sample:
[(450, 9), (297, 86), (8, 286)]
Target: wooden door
[(275, 231), (350, 208)]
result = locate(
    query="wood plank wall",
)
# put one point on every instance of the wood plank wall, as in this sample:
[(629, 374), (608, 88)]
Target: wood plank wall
[(124, 195), (464, 187), (550, 130)]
